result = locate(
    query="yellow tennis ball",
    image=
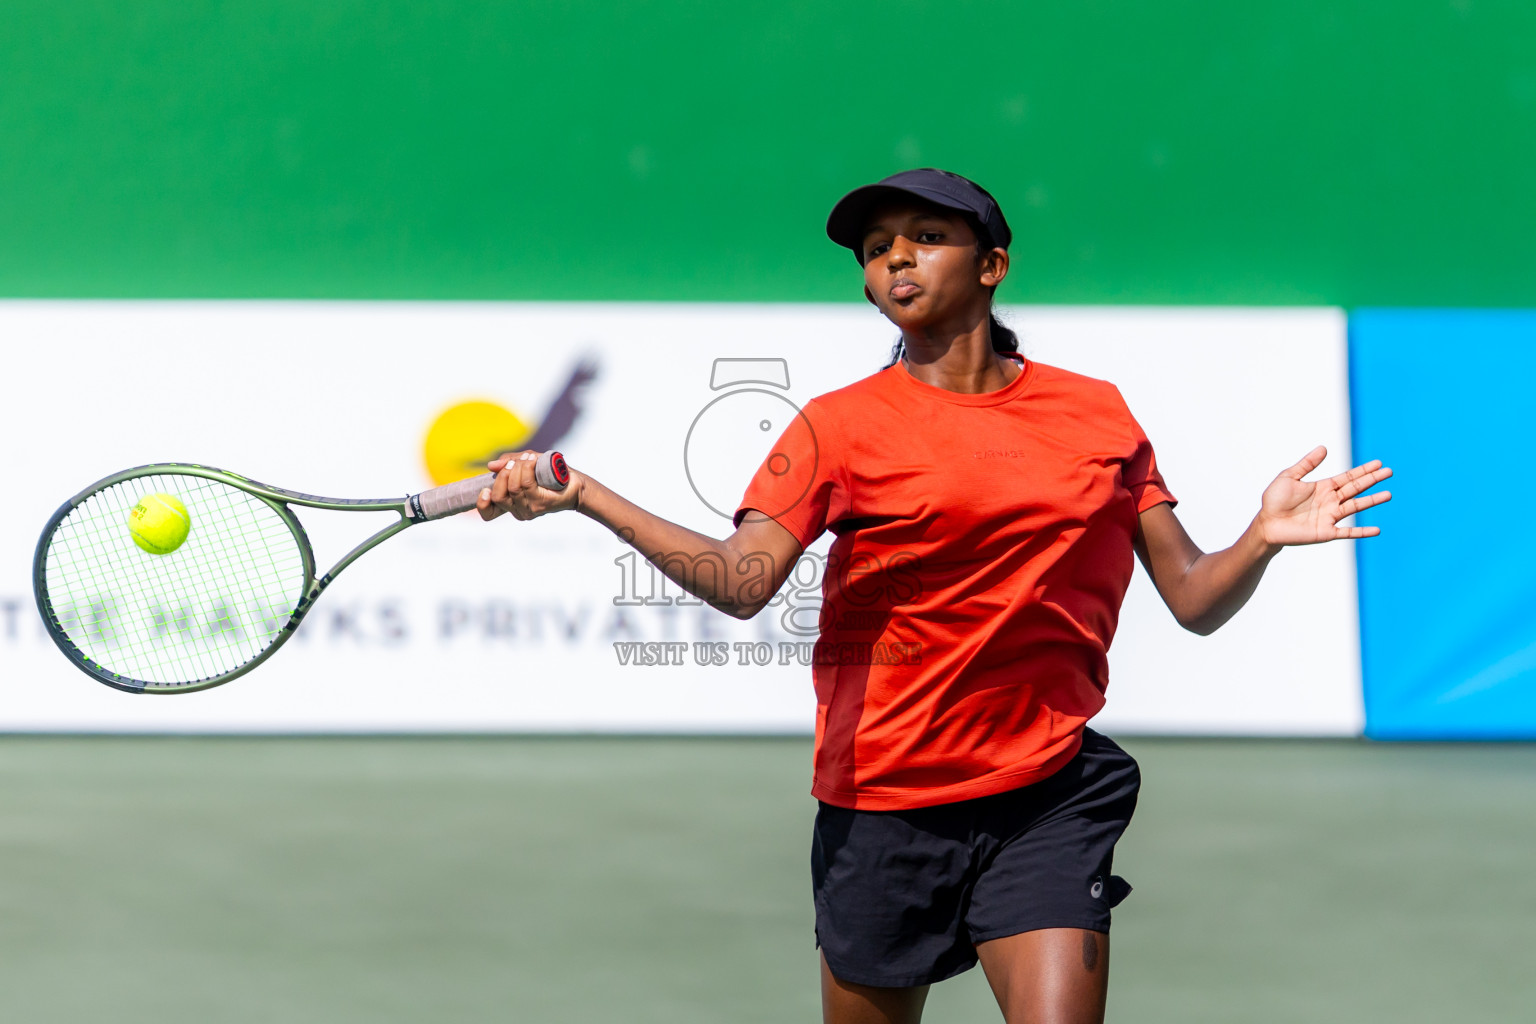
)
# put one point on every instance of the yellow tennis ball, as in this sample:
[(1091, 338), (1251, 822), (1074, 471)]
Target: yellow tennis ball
[(159, 523)]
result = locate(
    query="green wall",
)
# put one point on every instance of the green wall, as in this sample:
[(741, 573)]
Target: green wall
[(1315, 151)]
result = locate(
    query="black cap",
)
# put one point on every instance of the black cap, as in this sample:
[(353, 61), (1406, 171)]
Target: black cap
[(850, 216)]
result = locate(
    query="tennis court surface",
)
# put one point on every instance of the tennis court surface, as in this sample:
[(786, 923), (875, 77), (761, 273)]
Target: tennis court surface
[(570, 880)]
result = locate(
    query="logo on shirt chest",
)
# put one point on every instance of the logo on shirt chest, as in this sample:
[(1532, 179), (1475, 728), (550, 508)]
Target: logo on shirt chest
[(998, 453)]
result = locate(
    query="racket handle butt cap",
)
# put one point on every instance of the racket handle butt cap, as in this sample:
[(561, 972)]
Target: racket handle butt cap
[(551, 471)]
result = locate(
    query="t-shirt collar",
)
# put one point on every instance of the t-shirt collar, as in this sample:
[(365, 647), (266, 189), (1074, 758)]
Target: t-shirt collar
[(1007, 393)]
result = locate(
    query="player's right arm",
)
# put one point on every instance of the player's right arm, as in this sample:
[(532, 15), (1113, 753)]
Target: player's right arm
[(737, 575)]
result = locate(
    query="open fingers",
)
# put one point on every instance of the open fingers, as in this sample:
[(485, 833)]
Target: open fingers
[(1356, 532), (1361, 478), (1354, 505)]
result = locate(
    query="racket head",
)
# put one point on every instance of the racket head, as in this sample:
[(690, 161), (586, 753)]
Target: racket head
[(205, 613)]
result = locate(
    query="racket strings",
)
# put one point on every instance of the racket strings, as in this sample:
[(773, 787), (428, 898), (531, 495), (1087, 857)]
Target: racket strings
[(203, 610), (180, 597)]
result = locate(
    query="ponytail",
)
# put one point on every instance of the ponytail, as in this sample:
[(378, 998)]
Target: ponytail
[(1003, 339)]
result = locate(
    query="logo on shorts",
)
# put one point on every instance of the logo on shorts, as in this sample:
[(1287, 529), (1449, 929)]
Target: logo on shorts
[(1096, 890)]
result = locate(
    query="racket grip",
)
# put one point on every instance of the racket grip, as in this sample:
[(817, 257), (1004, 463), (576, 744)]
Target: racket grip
[(451, 499)]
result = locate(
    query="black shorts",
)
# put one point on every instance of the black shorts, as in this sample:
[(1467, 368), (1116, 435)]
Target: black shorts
[(904, 897)]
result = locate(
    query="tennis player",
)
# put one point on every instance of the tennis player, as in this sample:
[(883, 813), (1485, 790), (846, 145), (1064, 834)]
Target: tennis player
[(986, 509)]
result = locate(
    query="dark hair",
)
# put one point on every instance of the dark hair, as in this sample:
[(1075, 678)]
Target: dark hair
[(1003, 339)]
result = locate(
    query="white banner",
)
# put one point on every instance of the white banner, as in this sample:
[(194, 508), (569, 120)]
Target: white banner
[(466, 626)]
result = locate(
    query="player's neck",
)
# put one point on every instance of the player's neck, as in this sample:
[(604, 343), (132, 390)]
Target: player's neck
[(960, 360)]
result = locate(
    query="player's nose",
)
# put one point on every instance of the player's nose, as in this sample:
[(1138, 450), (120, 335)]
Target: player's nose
[(899, 255)]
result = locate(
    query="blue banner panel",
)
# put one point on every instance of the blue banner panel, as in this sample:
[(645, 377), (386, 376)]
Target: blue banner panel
[(1448, 591)]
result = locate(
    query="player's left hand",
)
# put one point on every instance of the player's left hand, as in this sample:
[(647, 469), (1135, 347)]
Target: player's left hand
[(516, 491), (1298, 511)]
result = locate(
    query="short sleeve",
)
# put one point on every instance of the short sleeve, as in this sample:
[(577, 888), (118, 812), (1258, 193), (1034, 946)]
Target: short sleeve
[(799, 484), (1142, 477)]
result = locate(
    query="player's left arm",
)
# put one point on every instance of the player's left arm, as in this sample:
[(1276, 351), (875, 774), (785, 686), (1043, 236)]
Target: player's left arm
[(1205, 590)]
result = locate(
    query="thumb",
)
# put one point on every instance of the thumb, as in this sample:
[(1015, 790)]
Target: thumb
[(1308, 463)]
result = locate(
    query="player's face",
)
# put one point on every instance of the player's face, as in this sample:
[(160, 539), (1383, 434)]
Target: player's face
[(921, 267)]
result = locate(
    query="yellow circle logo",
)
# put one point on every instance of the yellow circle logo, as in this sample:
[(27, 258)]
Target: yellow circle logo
[(466, 436)]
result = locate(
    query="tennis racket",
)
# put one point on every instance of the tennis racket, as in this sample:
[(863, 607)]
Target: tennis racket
[(223, 601)]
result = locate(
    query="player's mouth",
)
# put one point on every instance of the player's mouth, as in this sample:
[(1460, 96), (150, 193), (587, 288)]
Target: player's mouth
[(904, 289)]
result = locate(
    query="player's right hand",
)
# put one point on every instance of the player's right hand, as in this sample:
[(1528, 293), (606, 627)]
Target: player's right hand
[(515, 489)]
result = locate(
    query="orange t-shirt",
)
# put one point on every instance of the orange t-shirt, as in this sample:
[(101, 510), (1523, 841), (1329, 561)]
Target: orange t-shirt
[(983, 550)]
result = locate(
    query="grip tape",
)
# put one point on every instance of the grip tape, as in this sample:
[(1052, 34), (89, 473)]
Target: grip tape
[(451, 499)]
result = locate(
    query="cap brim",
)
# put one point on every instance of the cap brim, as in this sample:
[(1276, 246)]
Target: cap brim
[(850, 217)]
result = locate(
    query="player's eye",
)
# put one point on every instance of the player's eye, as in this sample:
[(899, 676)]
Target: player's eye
[(930, 237), (877, 249)]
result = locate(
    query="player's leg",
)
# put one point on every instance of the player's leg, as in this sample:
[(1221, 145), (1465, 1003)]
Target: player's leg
[(890, 888), (1049, 976), (843, 1002), (1040, 909)]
